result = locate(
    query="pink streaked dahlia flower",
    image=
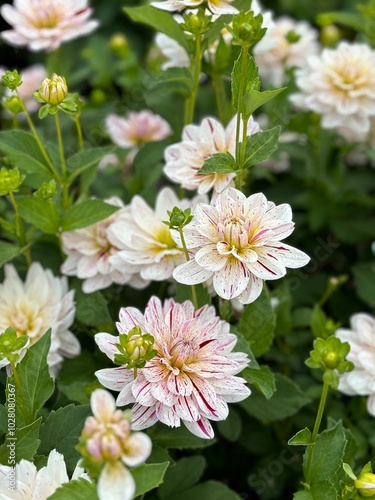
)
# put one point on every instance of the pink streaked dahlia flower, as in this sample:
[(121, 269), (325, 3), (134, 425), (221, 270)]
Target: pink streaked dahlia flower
[(199, 142), (361, 337), (137, 128), (191, 378), (46, 24), (236, 241)]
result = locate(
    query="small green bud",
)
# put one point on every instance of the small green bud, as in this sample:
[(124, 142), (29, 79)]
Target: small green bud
[(330, 35), (119, 45), (179, 218), (10, 343), (12, 104), (12, 79), (365, 484), (136, 348), (10, 180), (46, 191), (197, 24), (292, 37), (247, 29), (52, 91), (98, 96)]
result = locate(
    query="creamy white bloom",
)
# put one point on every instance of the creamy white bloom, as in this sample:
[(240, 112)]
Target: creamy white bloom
[(137, 128), (145, 240), (32, 78), (175, 54), (340, 86), (89, 252), (199, 142), (43, 301), (33, 484), (45, 24), (361, 337), (215, 6), (284, 54), (237, 242)]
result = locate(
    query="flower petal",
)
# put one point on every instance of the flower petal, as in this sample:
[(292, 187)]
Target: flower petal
[(115, 482)]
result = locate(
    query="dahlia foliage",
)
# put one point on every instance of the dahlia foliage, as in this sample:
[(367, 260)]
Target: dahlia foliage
[(186, 233)]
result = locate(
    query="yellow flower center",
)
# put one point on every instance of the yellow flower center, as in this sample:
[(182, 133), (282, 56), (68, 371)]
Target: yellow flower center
[(45, 15), (163, 236)]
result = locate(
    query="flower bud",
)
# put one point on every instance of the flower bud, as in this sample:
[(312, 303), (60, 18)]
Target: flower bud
[(53, 90), (10, 180), (12, 104), (136, 348), (178, 218), (12, 79), (365, 484), (46, 191), (119, 45), (10, 344), (197, 23), (247, 29), (292, 37)]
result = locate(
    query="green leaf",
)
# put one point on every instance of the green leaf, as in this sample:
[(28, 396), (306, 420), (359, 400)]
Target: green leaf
[(286, 401), (79, 489), (257, 324), (318, 322), (210, 490), (183, 475), (302, 438), (159, 20), (148, 476), (253, 99), (177, 80), (243, 346), (91, 308), (26, 441), (8, 251), (220, 163), (62, 430), (328, 454), (261, 145), (262, 378), (231, 427), (40, 213), (36, 383), (323, 490), (184, 293), (350, 19), (251, 74), (178, 437), (364, 282), (80, 162), (86, 213)]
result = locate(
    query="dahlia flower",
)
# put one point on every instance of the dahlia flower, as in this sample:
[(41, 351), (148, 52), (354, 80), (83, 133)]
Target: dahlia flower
[(32, 78), (361, 337), (237, 241), (215, 6), (45, 24), (339, 85), (33, 484), (31, 308), (290, 41), (137, 128), (199, 142), (145, 241), (191, 378), (89, 252), (107, 437)]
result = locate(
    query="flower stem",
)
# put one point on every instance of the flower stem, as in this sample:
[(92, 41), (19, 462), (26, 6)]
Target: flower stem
[(245, 51), (318, 420), (17, 383), (193, 289), (221, 97), (196, 70), (38, 141), (20, 230), (81, 146), (63, 162)]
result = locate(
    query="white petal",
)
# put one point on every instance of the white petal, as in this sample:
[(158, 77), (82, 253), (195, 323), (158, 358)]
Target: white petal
[(138, 449), (102, 404), (202, 428), (115, 482)]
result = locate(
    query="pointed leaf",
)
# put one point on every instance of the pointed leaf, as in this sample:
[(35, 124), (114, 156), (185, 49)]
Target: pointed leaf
[(8, 251), (79, 489), (251, 75), (82, 161), (263, 379), (86, 213), (302, 438), (253, 99), (26, 441), (177, 80), (40, 213), (220, 163), (183, 475), (148, 476), (261, 145)]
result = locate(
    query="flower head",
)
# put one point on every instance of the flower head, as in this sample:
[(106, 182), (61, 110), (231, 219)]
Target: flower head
[(145, 240), (199, 142), (237, 242), (53, 90), (215, 6), (107, 438), (32, 484), (191, 378), (31, 308), (340, 86), (45, 24), (89, 252), (361, 338), (137, 129), (290, 42)]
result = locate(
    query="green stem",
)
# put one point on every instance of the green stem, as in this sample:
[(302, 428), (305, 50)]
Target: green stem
[(318, 420), (196, 70), (38, 141), (20, 230), (245, 51), (63, 162), (193, 290), (241, 175), (81, 146), (15, 122), (221, 97), (17, 383)]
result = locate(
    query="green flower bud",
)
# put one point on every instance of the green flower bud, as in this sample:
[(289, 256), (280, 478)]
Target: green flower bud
[(179, 218), (10, 344), (365, 484), (12, 104), (292, 37), (10, 180), (52, 91), (46, 191), (119, 45), (135, 348), (197, 24), (247, 29), (12, 79), (330, 35)]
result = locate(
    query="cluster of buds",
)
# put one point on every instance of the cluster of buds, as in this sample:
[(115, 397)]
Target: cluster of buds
[(54, 94), (246, 29), (136, 348), (196, 24), (364, 484), (329, 356), (10, 180), (11, 345), (178, 218)]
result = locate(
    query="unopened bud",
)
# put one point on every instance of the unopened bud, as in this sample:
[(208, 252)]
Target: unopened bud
[(12, 104), (365, 484), (11, 344), (10, 180), (52, 91), (135, 348), (12, 79), (178, 218), (46, 191), (292, 37)]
